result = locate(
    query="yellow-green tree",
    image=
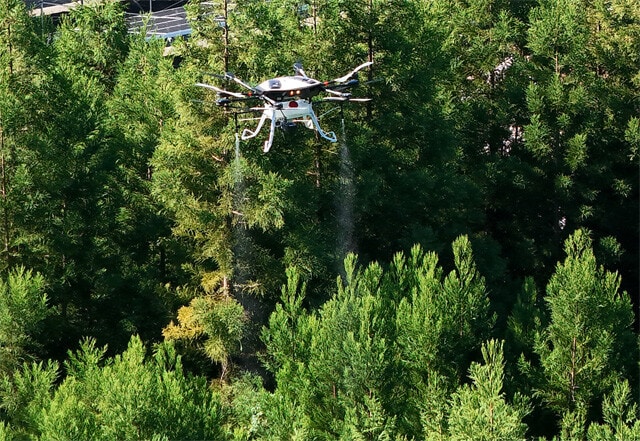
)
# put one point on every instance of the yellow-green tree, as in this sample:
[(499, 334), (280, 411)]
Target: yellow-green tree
[(216, 324)]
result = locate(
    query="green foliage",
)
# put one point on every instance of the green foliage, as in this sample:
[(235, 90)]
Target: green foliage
[(221, 202), (23, 65), (480, 411), (287, 336), (23, 308), (92, 41), (582, 350), (526, 319), (557, 33), (453, 310), (88, 225), (620, 415), (632, 136), (5, 432), (25, 393), (132, 396), (364, 365)]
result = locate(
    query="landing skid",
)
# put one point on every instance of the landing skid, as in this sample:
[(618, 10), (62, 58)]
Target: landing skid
[(279, 116)]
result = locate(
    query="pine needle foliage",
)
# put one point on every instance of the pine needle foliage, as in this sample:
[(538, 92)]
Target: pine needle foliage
[(481, 411), (582, 350)]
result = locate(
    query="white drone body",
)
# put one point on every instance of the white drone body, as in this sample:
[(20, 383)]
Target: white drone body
[(287, 101)]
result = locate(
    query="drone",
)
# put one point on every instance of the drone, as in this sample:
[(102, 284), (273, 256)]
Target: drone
[(287, 101)]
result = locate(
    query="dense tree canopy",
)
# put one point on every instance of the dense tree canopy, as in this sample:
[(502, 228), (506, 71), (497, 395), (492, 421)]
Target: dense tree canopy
[(461, 264)]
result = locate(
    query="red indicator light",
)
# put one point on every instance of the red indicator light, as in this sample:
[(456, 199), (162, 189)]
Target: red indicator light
[(293, 104)]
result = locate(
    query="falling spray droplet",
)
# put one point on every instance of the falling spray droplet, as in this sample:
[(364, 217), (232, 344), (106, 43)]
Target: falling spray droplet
[(237, 169), (346, 197), (242, 251), (238, 223)]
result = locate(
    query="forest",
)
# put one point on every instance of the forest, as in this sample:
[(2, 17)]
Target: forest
[(462, 264)]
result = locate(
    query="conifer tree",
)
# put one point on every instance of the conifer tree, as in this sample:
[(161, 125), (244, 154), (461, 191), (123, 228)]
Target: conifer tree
[(220, 322), (372, 362), (350, 355), (24, 61), (130, 396), (481, 411), (585, 346), (620, 415), (87, 179), (24, 393), (579, 103), (440, 323), (23, 308)]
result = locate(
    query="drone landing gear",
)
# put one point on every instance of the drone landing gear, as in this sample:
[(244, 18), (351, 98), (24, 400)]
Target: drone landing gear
[(279, 119), (247, 134), (329, 136)]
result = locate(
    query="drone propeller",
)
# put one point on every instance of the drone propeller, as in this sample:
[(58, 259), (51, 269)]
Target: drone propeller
[(351, 74), (339, 93), (232, 77), (343, 99), (297, 68), (221, 92), (215, 75)]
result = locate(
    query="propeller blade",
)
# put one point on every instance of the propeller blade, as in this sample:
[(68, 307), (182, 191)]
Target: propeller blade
[(215, 75), (348, 76), (232, 77), (352, 83), (297, 68), (221, 92), (334, 98), (335, 92), (346, 98)]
